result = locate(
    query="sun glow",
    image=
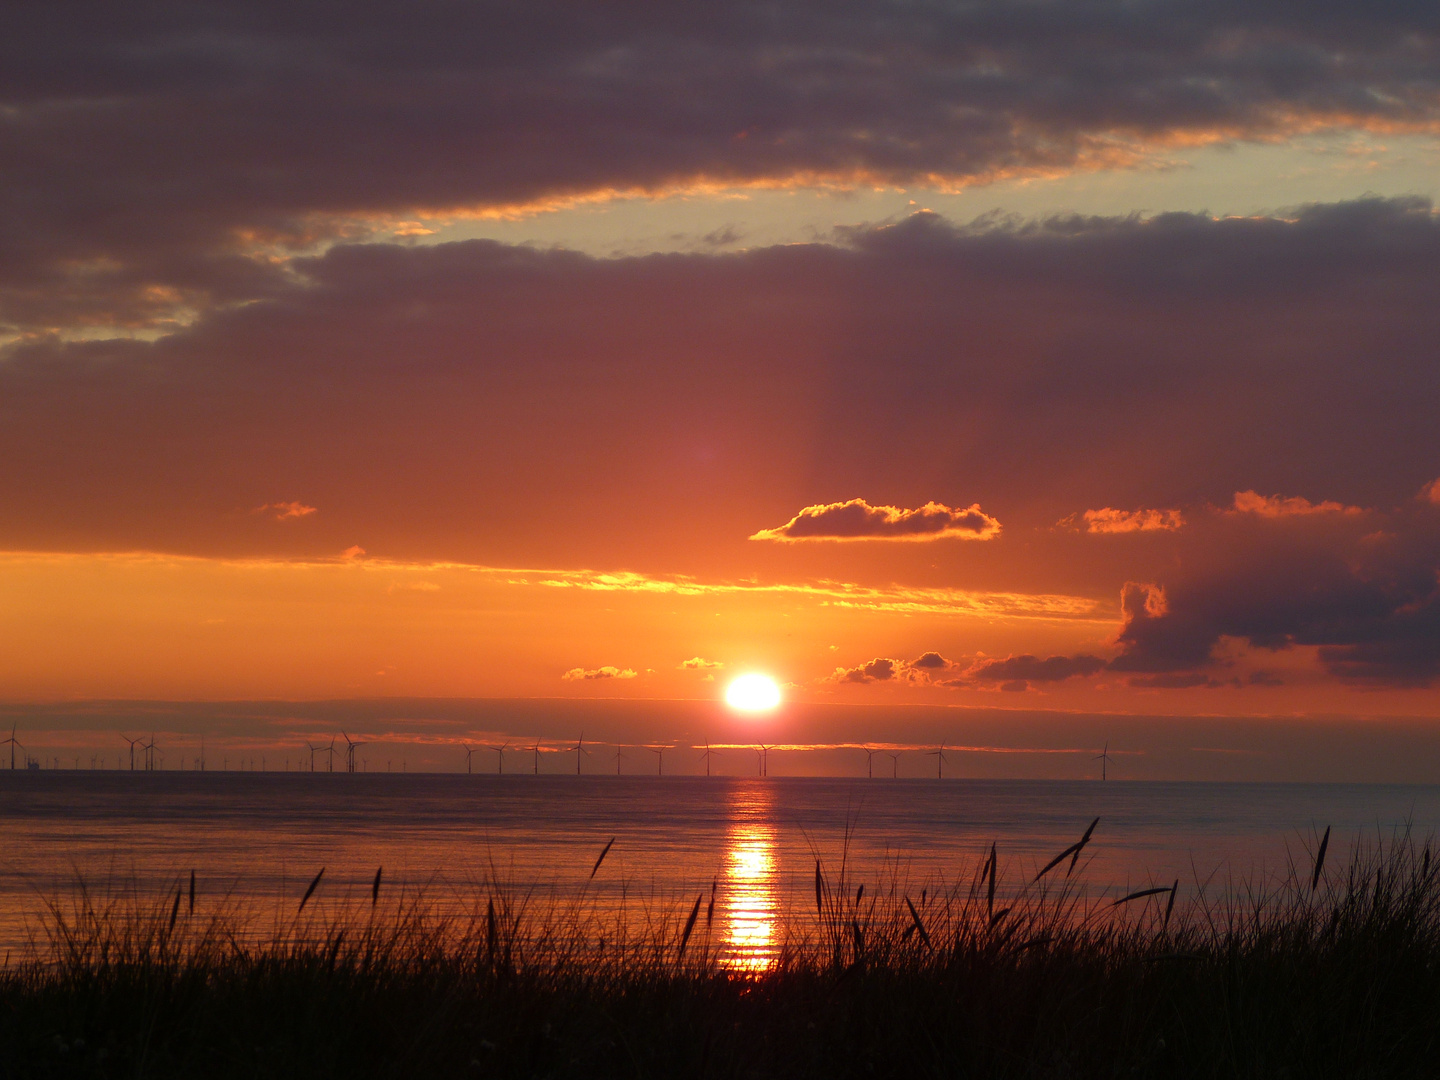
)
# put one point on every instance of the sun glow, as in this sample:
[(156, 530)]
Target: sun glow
[(753, 693)]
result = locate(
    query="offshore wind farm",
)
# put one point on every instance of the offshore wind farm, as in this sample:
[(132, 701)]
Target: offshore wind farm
[(851, 538)]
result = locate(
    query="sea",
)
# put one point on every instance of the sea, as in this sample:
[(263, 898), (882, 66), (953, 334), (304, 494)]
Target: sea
[(259, 839)]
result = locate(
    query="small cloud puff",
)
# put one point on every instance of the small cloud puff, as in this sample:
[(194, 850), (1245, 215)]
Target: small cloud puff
[(1109, 520), (1276, 506), (590, 674), (285, 511), (699, 663), (858, 520), (1431, 492)]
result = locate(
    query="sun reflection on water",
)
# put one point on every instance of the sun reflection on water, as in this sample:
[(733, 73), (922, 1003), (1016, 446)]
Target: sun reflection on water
[(751, 897)]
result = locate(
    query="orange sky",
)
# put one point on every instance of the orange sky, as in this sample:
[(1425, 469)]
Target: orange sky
[(443, 359)]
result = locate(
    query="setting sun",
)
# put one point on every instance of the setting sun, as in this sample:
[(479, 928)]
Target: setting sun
[(753, 693)]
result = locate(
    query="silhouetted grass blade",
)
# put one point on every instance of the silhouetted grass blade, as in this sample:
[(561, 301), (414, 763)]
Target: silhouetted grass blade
[(310, 891), (689, 926), (1320, 860), (919, 926), (603, 852), (1140, 895), (1081, 847)]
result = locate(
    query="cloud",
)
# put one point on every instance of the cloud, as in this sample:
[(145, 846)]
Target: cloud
[(858, 520), (930, 661), (839, 594), (1275, 506), (1366, 600), (285, 511), (696, 663), (1027, 668), (1013, 672), (594, 674), (922, 670), (1431, 493), (1110, 520), (880, 669), (497, 396), (336, 126)]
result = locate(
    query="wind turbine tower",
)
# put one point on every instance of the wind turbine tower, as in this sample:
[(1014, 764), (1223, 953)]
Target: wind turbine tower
[(14, 742), (940, 759), (1104, 758)]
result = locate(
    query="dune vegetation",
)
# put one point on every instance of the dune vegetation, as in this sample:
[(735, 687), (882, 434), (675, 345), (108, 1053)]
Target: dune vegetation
[(1327, 970)]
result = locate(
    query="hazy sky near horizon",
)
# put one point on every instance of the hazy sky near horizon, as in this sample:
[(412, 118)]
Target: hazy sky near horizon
[(1071, 358)]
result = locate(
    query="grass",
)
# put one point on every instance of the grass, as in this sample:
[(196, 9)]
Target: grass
[(1324, 971)]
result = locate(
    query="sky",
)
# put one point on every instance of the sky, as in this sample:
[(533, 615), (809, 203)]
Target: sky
[(1029, 376)]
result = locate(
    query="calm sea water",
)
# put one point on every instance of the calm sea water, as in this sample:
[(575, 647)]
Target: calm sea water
[(261, 837)]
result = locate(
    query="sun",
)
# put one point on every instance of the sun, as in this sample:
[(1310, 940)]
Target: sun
[(753, 693)]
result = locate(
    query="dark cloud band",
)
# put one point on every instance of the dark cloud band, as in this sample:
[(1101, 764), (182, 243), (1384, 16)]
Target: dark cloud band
[(147, 156)]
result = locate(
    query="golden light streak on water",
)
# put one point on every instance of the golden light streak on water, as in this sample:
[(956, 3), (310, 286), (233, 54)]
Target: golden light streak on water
[(751, 897)]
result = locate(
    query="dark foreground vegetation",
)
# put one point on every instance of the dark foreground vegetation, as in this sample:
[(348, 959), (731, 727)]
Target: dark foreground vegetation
[(1328, 972)]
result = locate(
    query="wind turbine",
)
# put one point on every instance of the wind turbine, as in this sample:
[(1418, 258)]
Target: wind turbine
[(765, 759), (706, 756), (132, 743), (330, 767), (1104, 758), (313, 751), (940, 759), (536, 749), (580, 752), (869, 762), (894, 757), (659, 753), (470, 752), (500, 762), (350, 747), (618, 756), (14, 742)]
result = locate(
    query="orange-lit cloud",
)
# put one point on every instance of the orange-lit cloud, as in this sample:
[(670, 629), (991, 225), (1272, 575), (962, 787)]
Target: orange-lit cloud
[(920, 671), (880, 669), (697, 663), (1431, 492), (597, 674), (839, 594), (1109, 520), (858, 520), (285, 511), (1276, 506)]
